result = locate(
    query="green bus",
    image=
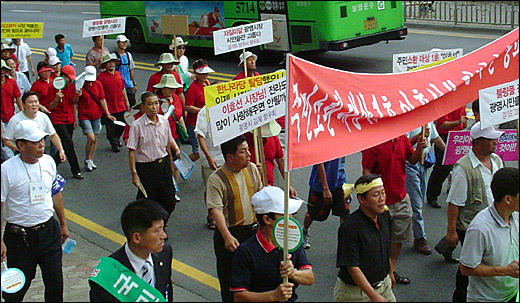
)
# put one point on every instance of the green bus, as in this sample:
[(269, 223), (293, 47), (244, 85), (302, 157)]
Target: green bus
[(297, 25)]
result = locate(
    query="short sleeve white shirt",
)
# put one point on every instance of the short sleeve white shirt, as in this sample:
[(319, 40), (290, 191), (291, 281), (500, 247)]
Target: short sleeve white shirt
[(202, 129), (459, 184), (21, 52), (490, 241), (15, 193), (43, 121)]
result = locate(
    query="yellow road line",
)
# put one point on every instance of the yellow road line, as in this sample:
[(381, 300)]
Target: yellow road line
[(145, 66), (176, 265)]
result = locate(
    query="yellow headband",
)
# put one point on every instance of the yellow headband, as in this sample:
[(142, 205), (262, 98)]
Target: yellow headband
[(364, 187)]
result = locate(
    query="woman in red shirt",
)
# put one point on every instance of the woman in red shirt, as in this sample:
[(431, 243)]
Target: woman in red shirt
[(165, 90), (90, 100), (195, 101), (63, 117)]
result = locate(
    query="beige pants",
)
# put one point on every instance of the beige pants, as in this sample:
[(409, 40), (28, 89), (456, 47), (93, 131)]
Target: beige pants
[(344, 292)]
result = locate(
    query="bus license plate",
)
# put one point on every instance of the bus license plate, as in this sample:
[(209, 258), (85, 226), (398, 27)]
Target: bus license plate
[(370, 24)]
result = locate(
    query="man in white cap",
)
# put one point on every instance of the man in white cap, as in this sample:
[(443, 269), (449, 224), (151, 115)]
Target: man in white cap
[(470, 192), (31, 192), (257, 271), (250, 60), (49, 53), (126, 67)]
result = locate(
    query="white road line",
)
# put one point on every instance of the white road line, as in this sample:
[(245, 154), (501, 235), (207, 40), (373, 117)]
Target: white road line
[(90, 13), (24, 11)]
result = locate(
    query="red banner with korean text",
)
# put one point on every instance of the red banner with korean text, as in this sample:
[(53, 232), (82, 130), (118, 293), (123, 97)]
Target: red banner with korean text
[(333, 113)]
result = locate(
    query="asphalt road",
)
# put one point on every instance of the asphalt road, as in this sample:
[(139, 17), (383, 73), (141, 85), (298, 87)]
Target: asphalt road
[(95, 203)]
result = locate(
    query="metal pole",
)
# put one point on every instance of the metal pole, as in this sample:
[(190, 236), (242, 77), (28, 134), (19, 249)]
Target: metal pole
[(286, 221)]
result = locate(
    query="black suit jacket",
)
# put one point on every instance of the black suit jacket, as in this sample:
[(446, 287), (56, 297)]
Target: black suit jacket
[(163, 273)]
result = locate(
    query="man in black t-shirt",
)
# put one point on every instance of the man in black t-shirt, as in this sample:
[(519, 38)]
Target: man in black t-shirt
[(364, 247)]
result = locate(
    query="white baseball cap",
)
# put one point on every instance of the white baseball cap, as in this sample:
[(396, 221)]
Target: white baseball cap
[(51, 52), (121, 38), (53, 60), (270, 199), (90, 72), (28, 130), (488, 132)]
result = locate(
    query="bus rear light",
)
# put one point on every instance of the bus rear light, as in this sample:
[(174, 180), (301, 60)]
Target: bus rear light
[(344, 45)]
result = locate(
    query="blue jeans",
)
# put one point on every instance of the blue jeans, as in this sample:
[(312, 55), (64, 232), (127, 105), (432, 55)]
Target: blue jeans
[(194, 142), (416, 187)]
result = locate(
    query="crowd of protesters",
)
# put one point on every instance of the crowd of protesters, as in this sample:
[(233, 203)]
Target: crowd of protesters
[(171, 111)]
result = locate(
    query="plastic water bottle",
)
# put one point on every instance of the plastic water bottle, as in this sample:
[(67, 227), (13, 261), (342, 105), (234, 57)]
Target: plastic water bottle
[(68, 245)]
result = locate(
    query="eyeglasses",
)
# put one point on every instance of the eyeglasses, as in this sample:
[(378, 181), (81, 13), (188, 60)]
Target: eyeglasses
[(181, 47)]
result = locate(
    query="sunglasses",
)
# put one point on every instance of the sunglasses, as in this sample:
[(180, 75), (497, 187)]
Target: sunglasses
[(181, 47)]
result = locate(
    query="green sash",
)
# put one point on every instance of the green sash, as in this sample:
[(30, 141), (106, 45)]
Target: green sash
[(186, 80), (123, 283)]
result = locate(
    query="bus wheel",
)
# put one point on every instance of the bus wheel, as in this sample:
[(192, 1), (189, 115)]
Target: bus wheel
[(134, 32)]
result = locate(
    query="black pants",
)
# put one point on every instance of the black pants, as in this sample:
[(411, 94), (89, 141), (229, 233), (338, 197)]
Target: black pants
[(44, 249), (114, 132), (439, 173), (157, 181), (461, 281), (65, 132), (225, 257), (130, 93)]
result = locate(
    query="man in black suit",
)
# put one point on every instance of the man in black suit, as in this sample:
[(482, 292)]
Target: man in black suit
[(143, 224)]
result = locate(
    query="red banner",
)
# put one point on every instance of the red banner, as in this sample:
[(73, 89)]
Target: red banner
[(333, 113)]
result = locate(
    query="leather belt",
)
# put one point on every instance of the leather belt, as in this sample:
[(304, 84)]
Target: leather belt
[(159, 161), (377, 284), (15, 228), (253, 226)]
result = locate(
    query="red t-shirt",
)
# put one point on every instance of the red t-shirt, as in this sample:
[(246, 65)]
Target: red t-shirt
[(88, 109), (156, 78), (113, 86), (241, 75), (177, 103), (126, 133), (10, 91), (453, 116), (44, 91), (388, 159), (194, 97), (64, 112), (272, 150)]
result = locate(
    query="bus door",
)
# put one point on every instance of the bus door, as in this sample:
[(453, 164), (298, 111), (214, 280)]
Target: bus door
[(276, 11)]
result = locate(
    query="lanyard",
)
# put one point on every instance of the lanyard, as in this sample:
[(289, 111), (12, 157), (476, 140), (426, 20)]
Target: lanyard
[(39, 164)]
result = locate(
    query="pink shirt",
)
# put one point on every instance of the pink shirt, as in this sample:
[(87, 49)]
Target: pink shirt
[(149, 140)]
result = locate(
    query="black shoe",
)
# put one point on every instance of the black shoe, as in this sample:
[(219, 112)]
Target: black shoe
[(433, 203), (443, 249), (116, 148), (77, 176), (421, 245), (400, 279)]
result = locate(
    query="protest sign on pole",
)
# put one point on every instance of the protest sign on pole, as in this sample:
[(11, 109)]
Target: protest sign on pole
[(15, 30), (101, 27), (498, 104), (458, 145), (247, 111), (174, 25), (409, 61), (242, 37)]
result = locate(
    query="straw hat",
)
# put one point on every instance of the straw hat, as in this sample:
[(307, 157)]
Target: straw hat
[(168, 81), (247, 55), (4, 65), (270, 129), (166, 58), (176, 42), (6, 46), (107, 58)]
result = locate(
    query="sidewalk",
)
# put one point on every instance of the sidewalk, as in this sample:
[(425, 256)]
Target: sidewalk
[(77, 267)]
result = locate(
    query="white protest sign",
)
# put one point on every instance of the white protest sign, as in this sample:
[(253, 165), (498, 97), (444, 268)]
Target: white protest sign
[(243, 36), (13, 279), (247, 111), (498, 104), (407, 61), (294, 234), (101, 27)]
